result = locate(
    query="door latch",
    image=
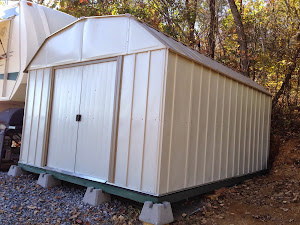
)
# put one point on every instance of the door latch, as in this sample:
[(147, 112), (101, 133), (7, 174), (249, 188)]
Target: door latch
[(78, 117)]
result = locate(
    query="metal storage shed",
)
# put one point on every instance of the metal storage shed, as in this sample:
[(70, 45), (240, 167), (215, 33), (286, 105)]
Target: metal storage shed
[(115, 104)]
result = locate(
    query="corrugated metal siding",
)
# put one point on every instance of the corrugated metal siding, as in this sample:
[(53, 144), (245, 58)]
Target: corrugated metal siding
[(37, 107), (139, 121), (214, 127)]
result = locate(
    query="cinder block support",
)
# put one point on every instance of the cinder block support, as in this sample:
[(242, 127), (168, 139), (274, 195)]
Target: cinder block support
[(157, 214), (47, 180), (16, 171), (95, 197)]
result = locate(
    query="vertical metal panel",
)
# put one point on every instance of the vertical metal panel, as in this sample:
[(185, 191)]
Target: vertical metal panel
[(262, 130), (63, 127), (251, 130), (35, 116), (152, 139), (248, 130), (257, 132), (194, 131), (138, 120), (187, 148), (231, 128), (168, 123), (28, 115), (244, 120), (203, 124), (41, 136), (180, 127), (219, 124), (124, 128), (233, 135), (95, 130), (211, 127), (267, 127), (225, 127), (238, 133)]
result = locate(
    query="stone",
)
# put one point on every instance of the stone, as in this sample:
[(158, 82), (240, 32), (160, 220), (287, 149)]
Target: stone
[(157, 214), (47, 180), (95, 197), (16, 171)]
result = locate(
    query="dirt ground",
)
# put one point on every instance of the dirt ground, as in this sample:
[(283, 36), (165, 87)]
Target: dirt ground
[(270, 199)]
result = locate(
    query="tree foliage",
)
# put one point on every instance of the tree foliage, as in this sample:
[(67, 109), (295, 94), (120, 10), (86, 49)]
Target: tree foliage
[(271, 28)]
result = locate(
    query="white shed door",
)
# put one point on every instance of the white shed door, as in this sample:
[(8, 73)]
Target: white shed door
[(63, 127), (89, 153), (96, 126)]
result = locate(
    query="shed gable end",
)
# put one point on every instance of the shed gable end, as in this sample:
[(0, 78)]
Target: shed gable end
[(95, 38)]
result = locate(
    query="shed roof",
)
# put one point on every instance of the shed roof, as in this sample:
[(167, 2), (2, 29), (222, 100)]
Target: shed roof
[(180, 49)]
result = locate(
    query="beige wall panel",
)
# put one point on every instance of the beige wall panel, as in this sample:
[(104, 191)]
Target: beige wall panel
[(258, 133), (194, 128), (203, 125), (211, 128), (152, 130), (124, 128), (267, 126), (238, 130), (219, 131), (248, 129), (262, 131), (243, 129), (180, 127), (28, 116), (232, 150), (35, 116), (168, 123), (252, 131), (41, 138), (139, 105), (225, 128)]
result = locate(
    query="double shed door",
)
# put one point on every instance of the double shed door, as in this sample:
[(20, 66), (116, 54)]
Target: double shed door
[(83, 147)]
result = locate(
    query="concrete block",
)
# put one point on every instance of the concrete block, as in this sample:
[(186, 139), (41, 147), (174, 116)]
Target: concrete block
[(47, 180), (95, 197), (16, 171), (157, 214)]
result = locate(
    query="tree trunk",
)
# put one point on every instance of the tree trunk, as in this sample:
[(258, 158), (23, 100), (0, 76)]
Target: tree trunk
[(287, 78), (241, 38), (212, 29), (191, 9)]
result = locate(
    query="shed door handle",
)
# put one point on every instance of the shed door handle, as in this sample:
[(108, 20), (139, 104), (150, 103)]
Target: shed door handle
[(78, 117)]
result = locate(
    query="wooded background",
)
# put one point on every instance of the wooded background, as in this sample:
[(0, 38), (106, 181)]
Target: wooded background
[(259, 38)]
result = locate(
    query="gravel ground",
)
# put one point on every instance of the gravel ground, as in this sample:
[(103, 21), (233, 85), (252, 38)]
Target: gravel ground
[(22, 201)]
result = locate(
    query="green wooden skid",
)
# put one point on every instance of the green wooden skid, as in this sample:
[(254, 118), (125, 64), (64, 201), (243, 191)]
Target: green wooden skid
[(140, 197)]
